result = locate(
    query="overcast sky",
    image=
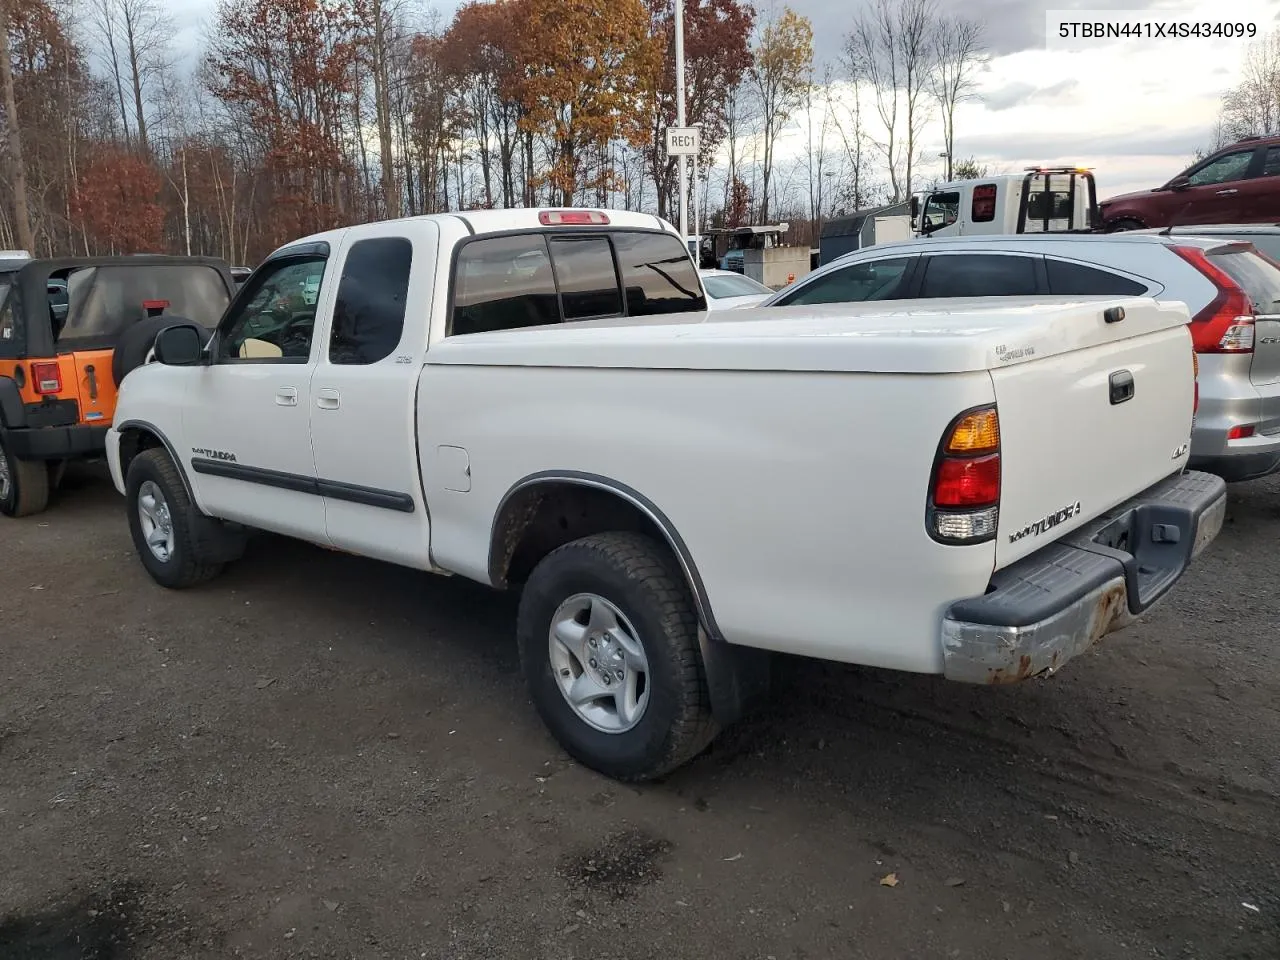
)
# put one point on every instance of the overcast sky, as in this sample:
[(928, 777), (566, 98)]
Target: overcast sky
[(1135, 110)]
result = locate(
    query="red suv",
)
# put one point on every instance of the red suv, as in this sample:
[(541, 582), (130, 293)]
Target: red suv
[(1237, 184)]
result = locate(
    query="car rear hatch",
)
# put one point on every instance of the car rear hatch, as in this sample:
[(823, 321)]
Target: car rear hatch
[(106, 300), (1259, 276), (1091, 420)]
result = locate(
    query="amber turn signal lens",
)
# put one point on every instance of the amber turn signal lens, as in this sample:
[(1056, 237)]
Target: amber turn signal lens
[(976, 432)]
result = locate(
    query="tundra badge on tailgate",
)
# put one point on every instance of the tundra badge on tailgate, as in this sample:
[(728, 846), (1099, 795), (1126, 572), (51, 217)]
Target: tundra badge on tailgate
[(1046, 523)]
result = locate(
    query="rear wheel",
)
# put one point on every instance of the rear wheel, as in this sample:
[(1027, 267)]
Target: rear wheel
[(608, 642), (165, 523), (24, 484)]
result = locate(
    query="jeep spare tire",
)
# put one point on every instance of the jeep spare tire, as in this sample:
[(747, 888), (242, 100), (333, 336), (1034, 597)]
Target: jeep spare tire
[(137, 341)]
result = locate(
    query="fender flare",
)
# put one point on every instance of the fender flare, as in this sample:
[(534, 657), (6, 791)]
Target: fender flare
[(13, 412), (738, 677), (145, 426)]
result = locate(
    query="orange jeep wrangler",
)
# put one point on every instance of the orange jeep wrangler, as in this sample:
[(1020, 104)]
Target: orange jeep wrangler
[(70, 329)]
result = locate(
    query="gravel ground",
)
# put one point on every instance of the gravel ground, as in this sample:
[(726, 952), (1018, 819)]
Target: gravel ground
[(318, 756)]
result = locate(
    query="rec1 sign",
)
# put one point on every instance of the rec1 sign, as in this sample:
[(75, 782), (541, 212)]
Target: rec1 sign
[(682, 141)]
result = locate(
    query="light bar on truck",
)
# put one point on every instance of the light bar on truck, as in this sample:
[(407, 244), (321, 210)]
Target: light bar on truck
[(565, 218)]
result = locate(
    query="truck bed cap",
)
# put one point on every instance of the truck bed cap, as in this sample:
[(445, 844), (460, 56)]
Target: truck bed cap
[(920, 336)]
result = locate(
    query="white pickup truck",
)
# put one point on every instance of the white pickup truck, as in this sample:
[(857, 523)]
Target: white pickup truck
[(540, 399)]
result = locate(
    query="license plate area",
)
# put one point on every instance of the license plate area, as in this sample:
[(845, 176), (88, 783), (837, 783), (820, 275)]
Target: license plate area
[(1154, 543)]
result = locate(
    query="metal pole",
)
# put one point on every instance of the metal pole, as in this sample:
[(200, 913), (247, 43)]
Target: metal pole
[(680, 118), (697, 214)]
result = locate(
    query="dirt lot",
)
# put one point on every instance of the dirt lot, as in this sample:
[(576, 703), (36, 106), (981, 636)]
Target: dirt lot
[(320, 756)]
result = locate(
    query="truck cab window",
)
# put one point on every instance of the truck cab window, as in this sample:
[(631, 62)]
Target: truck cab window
[(978, 275), (277, 320), (941, 210), (368, 314), (587, 279), (875, 280), (657, 274), (502, 283)]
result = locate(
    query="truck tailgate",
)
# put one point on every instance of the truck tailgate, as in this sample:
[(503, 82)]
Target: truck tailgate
[(1084, 430)]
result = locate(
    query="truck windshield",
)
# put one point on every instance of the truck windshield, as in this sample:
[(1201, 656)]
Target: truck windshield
[(105, 300)]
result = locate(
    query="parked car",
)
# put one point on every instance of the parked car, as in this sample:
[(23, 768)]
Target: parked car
[(1228, 287), (60, 367), (677, 492), (1236, 184), (1264, 236), (727, 290)]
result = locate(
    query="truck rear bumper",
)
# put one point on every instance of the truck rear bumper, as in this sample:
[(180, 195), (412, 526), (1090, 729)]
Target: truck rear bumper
[(1055, 604)]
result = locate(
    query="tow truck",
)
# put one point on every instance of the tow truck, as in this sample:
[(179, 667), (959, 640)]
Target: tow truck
[(1038, 200)]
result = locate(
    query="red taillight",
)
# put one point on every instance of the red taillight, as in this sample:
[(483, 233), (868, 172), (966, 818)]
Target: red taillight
[(565, 218), (1226, 324), (46, 378), (971, 482), (1240, 432), (964, 496), (155, 304)]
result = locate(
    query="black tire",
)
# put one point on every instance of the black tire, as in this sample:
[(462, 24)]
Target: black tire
[(27, 491), (640, 578), (136, 342), (1123, 224), (57, 473), (188, 564)]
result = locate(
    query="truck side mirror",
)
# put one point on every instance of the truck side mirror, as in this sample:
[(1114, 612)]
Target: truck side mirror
[(915, 209), (181, 345)]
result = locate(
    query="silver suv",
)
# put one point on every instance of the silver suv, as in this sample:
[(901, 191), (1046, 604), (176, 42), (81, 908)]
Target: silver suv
[(1231, 290)]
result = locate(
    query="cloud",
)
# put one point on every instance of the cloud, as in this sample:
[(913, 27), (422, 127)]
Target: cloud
[(1042, 147), (1020, 94)]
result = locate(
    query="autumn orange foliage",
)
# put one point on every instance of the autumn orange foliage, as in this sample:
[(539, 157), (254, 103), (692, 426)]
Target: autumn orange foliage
[(117, 201)]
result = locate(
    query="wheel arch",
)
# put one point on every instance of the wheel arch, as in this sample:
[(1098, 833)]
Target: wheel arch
[(548, 509), (139, 435)]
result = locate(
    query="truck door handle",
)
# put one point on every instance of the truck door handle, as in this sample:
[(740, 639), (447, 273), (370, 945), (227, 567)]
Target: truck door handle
[(1224, 193), (1121, 383), (328, 399), (287, 397)]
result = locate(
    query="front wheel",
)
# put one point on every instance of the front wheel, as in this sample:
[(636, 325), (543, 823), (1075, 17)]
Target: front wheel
[(608, 641), (164, 522)]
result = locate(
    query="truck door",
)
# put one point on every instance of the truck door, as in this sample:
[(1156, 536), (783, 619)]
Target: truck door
[(363, 425), (245, 414), (941, 215)]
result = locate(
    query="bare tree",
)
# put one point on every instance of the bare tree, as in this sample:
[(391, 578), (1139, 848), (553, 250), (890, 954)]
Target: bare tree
[(1252, 107), (958, 54), (17, 166), (818, 97), (783, 60), (133, 38), (892, 46)]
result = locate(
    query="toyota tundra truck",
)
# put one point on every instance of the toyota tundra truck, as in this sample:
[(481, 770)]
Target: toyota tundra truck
[(540, 400)]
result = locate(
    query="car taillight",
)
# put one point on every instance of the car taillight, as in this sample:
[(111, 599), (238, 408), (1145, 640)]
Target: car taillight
[(1226, 324), (964, 492), (46, 378)]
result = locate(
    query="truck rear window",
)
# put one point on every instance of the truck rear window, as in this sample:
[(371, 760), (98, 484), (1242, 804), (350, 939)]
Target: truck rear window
[(104, 301), (521, 280), (1259, 277)]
